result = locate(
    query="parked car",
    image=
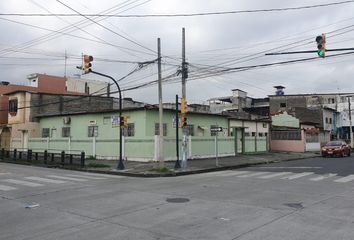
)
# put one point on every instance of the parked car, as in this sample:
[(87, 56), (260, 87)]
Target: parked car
[(336, 148)]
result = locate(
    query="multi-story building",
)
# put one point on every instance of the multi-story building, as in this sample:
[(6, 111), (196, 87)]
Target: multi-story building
[(328, 110)]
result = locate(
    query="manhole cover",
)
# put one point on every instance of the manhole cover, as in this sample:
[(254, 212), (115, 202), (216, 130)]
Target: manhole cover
[(294, 205), (177, 200)]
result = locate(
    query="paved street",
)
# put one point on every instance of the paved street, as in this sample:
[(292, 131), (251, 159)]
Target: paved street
[(307, 199)]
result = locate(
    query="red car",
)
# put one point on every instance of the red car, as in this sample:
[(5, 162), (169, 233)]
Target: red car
[(336, 148)]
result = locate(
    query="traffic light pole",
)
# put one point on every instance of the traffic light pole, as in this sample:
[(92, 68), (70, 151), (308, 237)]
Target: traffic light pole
[(310, 51), (120, 165)]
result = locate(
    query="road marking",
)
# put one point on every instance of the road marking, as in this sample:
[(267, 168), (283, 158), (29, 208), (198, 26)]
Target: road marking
[(299, 175), (254, 174), (6, 188), (4, 173), (233, 173), (46, 180), (345, 179), (274, 175), (83, 176), (67, 178), (102, 175), (319, 178), (24, 183)]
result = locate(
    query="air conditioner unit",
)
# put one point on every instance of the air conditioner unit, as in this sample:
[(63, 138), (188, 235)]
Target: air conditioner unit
[(66, 120)]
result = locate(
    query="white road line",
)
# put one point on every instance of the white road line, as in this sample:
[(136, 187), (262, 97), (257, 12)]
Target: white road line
[(24, 183), (233, 173), (46, 180), (298, 175), (67, 178), (322, 177), (102, 175), (6, 188), (274, 175), (292, 167), (83, 176), (254, 174), (4, 173), (345, 179)]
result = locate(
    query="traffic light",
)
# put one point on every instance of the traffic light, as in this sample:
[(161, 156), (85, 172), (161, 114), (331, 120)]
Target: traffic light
[(86, 68), (321, 45), (184, 105), (124, 121), (183, 122)]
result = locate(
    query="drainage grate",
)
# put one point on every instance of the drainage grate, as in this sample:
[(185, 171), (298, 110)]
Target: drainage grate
[(177, 200)]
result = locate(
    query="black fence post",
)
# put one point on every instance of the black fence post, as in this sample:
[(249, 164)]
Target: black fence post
[(52, 157), (82, 159), (3, 153), (45, 157), (36, 156), (15, 154), (20, 155), (62, 157), (8, 154), (71, 159), (29, 155)]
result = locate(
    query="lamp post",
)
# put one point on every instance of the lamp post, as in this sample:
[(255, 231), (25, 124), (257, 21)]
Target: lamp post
[(120, 165)]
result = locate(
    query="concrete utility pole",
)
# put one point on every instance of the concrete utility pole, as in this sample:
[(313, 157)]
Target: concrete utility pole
[(160, 141), (184, 77), (350, 123)]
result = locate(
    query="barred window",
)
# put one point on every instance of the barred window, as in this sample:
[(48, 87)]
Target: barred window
[(92, 131), (13, 106), (312, 138), (45, 132), (129, 131), (157, 129), (286, 135), (65, 132)]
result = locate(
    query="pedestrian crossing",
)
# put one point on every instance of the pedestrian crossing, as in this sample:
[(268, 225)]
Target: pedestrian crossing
[(311, 176), (9, 182)]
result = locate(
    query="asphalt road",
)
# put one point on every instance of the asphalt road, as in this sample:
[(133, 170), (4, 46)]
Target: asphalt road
[(307, 199)]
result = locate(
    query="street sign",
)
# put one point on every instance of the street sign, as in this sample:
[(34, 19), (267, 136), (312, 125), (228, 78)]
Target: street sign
[(216, 129), (115, 121)]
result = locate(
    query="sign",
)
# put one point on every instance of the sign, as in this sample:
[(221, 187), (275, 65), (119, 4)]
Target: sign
[(115, 121), (216, 129)]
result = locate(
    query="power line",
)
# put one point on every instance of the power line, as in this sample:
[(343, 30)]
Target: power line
[(179, 14), (104, 27)]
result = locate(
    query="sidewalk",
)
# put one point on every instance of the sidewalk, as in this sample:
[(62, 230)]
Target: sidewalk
[(151, 169)]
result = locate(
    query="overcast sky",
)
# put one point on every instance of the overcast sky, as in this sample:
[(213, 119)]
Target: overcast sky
[(223, 41)]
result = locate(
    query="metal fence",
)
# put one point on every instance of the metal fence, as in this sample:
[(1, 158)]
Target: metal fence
[(43, 157), (286, 134)]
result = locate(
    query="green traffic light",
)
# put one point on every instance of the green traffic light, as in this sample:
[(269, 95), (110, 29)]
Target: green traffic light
[(320, 53)]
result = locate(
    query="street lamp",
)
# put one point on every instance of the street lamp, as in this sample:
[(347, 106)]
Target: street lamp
[(120, 163)]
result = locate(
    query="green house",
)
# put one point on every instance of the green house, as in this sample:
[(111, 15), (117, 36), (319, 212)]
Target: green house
[(95, 134)]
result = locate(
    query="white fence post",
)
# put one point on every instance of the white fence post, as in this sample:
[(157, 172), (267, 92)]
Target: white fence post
[(94, 147), (156, 137), (69, 145)]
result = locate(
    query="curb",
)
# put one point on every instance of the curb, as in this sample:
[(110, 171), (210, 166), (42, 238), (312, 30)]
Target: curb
[(184, 173)]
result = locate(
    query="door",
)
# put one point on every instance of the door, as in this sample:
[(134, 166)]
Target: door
[(5, 139)]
